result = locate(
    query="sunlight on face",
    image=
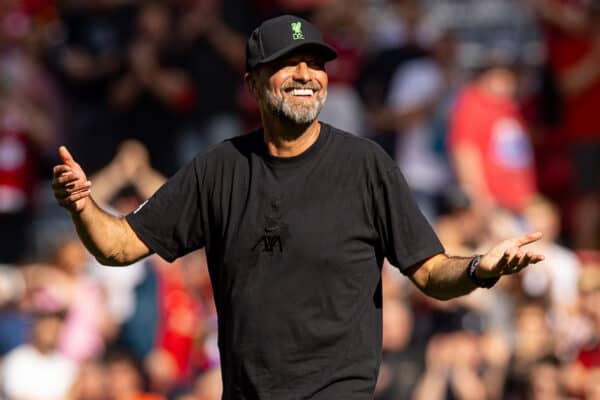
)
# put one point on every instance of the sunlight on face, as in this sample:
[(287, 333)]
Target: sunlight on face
[(294, 89)]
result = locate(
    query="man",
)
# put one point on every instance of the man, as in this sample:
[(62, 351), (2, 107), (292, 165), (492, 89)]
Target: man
[(296, 219), (37, 370), (488, 141)]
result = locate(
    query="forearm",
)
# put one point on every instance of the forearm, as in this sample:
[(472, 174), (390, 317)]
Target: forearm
[(107, 237), (443, 277)]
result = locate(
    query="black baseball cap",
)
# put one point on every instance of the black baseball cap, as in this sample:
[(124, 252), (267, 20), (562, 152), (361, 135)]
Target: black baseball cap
[(281, 35)]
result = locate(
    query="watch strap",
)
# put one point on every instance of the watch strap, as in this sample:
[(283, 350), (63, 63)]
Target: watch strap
[(471, 273)]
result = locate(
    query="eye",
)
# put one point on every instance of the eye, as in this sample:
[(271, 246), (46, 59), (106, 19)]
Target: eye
[(316, 64)]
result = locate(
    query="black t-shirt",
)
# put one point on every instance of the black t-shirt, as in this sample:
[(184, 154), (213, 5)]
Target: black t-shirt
[(295, 248)]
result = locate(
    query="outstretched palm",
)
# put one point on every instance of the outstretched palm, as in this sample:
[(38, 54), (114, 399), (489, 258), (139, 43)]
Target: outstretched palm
[(507, 257)]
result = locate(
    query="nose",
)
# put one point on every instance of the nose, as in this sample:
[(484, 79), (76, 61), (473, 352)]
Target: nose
[(301, 72)]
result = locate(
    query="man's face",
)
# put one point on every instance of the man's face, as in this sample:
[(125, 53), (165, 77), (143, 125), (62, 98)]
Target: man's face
[(293, 88)]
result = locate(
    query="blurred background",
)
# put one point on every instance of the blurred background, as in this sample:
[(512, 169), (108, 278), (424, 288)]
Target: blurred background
[(490, 107)]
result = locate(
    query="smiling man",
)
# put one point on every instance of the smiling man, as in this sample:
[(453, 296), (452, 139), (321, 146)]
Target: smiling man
[(296, 219)]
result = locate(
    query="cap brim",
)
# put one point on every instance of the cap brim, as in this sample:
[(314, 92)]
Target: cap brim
[(320, 49)]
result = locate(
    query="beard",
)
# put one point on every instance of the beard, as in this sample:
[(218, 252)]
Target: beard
[(295, 112)]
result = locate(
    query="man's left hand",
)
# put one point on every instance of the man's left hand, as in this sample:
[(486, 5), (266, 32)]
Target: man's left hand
[(508, 257)]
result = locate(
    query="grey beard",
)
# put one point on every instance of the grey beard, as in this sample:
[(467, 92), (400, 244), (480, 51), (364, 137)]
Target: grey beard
[(293, 114)]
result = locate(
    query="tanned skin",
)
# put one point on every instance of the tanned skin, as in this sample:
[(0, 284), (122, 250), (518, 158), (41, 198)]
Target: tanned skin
[(113, 242)]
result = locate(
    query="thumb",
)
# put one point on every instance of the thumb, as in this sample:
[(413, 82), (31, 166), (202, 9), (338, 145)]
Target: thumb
[(65, 155), (526, 239)]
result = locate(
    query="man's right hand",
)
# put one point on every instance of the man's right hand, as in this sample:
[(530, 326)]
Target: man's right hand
[(70, 184)]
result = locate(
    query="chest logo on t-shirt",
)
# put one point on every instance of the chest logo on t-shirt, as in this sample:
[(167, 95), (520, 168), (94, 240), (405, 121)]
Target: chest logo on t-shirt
[(510, 145), (269, 243), (271, 240)]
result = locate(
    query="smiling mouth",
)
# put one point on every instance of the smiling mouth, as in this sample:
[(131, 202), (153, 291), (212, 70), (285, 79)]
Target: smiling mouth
[(304, 92)]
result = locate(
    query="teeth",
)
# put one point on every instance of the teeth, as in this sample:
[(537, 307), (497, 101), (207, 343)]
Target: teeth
[(302, 92)]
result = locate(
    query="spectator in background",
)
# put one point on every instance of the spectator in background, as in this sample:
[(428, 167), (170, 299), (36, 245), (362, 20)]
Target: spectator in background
[(543, 382), (459, 228), (91, 382), (402, 23), (384, 59), (129, 168), (344, 27), (592, 387), (87, 326), (533, 342), (14, 324), (153, 93), (162, 316), (573, 41), (131, 293), (488, 143), (402, 362), (85, 53), (29, 115), (419, 87), (36, 370), (579, 374), (126, 378), (556, 278), (461, 366), (208, 386), (170, 362), (212, 35), (558, 274)]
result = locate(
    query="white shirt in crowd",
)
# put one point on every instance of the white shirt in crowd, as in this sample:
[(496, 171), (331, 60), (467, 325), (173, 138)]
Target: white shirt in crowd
[(29, 374)]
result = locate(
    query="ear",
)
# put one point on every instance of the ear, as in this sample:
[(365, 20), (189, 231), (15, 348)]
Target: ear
[(250, 80)]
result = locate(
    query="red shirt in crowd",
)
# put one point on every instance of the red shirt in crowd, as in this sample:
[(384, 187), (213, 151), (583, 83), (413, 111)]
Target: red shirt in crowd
[(17, 167), (494, 127), (565, 50), (590, 357), (179, 317)]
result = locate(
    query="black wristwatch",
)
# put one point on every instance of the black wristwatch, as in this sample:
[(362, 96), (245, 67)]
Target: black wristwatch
[(472, 268)]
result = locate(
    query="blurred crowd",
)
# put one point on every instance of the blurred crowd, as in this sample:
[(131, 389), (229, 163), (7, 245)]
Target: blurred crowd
[(490, 108)]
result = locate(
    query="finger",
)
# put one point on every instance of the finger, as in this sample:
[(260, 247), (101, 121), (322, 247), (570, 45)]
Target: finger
[(62, 191), (530, 238), (71, 184), (60, 169), (515, 260), (503, 262), (65, 155), (64, 180), (508, 261), (527, 260), (536, 258), (62, 194), (509, 256), (73, 198), (524, 261), (79, 195)]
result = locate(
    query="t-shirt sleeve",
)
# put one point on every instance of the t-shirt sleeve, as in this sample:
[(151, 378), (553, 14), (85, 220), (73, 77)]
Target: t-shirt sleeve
[(170, 223), (406, 236)]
